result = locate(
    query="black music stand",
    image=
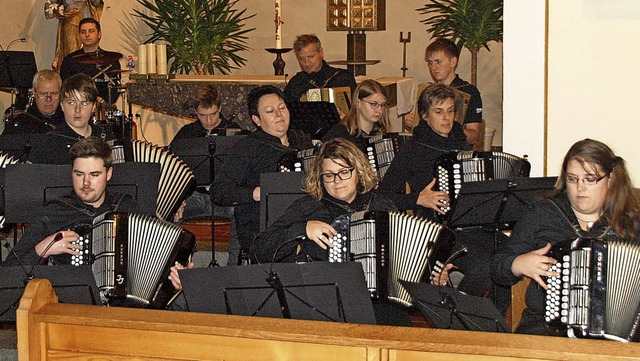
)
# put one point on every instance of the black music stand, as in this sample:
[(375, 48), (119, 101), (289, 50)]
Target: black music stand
[(496, 204), (17, 69), (72, 285), (449, 309), (313, 118), (203, 156), (16, 145), (277, 192), (28, 187), (311, 291)]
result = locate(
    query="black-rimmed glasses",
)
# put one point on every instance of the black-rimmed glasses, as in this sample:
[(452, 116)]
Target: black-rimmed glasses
[(343, 174), (589, 180)]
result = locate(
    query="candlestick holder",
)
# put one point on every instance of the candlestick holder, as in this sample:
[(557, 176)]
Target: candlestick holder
[(279, 63)]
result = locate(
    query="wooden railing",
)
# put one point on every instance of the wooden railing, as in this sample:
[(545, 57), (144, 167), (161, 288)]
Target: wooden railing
[(48, 330)]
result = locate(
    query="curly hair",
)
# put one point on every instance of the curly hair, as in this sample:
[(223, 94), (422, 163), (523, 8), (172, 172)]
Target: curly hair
[(344, 153), (622, 206)]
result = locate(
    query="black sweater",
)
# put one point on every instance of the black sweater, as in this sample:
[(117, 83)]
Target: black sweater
[(293, 224), (414, 164), (544, 222), (258, 153), (62, 214)]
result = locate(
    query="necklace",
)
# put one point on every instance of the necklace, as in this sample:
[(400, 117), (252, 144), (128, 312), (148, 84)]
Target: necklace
[(589, 223)]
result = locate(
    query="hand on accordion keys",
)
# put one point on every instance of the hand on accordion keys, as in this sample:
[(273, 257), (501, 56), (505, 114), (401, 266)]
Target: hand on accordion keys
[(320, 233), (59, 243), (441, 278), (433, 199), (535, 265)]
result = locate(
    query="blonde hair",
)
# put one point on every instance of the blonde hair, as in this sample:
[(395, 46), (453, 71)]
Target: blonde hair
[(343, 152), (364, 89)]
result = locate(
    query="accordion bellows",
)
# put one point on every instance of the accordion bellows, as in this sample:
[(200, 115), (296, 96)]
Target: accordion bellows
[(177, 181), (131, 256), (391, 246)]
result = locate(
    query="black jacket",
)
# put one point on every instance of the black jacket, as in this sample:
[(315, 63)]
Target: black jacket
[(293, 224), (258, 153), (326, 77), (34, 122), (62, 214), (544, 222), (58, 143), (196, 130), (414, 164)]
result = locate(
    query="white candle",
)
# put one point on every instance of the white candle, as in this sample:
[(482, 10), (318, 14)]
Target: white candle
[(162, 59), (278, 21), (142, 59), (151, 58)]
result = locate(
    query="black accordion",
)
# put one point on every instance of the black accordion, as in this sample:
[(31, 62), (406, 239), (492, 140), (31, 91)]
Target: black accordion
[(299, 161), (177, 181), (391, 246), (381, 149), (455, 168), (596, 295), (5, 159), (131, 256)]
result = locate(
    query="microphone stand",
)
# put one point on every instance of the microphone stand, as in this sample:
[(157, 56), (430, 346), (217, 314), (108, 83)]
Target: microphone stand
[(212, 153)]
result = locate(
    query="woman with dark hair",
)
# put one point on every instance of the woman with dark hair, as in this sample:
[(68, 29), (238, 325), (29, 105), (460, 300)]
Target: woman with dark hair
[(593, 198), (367, 116), (340, 181)]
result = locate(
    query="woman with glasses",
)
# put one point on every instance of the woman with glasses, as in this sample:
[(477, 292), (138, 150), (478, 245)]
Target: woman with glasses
[(340, 181), (367, 116), (593, 198)]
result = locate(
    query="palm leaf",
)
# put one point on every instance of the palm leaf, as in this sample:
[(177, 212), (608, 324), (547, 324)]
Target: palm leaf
[(204, 35)]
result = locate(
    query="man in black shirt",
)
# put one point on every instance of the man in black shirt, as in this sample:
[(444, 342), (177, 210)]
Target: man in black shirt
[(51, 236), (90, 35), (316, 73), (46, 114), (442, 59), (206, 104)]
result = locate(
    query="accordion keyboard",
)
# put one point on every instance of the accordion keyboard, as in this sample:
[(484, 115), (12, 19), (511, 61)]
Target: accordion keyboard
[(557, 299)]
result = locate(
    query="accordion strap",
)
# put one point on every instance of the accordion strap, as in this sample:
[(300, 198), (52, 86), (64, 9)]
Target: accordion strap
[(69, 201)]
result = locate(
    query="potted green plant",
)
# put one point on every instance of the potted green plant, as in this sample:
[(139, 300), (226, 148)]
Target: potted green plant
[(204, 36), (469, 23)]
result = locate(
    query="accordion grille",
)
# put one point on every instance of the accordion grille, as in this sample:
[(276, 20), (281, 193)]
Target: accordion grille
[(411, 244), (149, 245), (176, 179)]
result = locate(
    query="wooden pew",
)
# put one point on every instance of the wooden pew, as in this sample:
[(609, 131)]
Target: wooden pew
[(48, 330)]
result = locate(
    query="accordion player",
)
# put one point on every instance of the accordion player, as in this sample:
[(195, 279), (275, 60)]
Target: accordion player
[(177, 181), (391, 246), (131, 256), (596, 295), (455, 168)]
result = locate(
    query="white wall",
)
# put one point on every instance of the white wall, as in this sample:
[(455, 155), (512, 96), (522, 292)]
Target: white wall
[(594, 77), (122, 31), (524, 60)]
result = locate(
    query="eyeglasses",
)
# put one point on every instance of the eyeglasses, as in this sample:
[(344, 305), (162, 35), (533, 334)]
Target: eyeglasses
[(343, 174), (589, 180), (52, 95), (376, 105), (73, 103)]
